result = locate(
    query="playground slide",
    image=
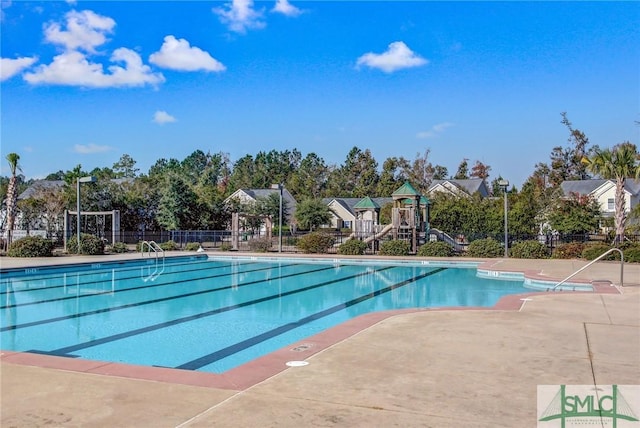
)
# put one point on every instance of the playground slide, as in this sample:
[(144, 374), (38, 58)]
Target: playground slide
[(380, 234)]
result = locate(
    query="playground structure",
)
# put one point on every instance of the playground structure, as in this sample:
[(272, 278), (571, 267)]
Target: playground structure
[(409, 218)]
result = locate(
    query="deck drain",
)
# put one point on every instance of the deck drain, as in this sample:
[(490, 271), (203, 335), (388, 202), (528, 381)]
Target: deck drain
[(297, 363), (301, 348)]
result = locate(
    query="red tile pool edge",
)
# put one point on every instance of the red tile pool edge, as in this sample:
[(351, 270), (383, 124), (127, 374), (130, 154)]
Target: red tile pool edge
[(260, 369)]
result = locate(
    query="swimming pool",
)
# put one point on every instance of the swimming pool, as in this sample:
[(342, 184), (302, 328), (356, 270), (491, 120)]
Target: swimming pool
[(212, 315)]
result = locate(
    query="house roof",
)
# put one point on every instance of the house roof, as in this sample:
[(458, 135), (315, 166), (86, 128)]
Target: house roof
[(350, 203), (585, 187), (254, 194), (38, 186), (469, 186)]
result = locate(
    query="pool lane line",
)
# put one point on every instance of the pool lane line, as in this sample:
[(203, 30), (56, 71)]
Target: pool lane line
[(136, 269), (247, 343), (87, 271), (155, 284), (148, 302), (64, 352)]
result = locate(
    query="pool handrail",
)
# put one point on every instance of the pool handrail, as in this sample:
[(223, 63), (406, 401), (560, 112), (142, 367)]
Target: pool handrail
[(153, 246), (600, 257)]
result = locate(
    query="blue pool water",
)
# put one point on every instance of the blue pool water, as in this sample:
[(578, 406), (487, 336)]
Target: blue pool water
[(215, 314)]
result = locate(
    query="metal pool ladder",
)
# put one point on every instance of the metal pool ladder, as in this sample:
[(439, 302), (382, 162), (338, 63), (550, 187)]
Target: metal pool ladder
[(600, 257), (153, 246)]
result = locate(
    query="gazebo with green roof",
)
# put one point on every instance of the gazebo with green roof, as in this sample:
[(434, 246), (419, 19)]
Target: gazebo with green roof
[(364, 223)]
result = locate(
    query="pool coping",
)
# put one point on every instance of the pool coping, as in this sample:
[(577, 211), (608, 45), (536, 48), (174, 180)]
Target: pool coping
[(265, 367)]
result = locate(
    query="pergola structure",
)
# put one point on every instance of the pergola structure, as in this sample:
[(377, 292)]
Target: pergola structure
[(115, 223)]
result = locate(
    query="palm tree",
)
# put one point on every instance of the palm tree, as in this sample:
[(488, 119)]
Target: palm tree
[(12, 194), (619, 163)]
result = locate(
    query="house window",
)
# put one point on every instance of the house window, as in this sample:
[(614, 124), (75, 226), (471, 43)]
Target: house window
[(347, 224), (611, 206)]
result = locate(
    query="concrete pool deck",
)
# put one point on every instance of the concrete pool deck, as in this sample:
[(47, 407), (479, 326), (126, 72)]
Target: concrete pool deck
[(440, 368)]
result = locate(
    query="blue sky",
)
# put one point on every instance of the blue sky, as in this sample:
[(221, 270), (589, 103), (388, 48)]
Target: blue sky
[(86, 82)]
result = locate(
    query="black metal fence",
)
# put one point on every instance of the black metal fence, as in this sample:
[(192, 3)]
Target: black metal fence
[(252, 240)]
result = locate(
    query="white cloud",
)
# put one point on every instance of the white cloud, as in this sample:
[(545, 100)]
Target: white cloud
[(161, 117), (176, 54), (84, 30), (87, 149), (10, 67), (239, 16), (286, 8), (397, 57), (74, 69), (435, 130)]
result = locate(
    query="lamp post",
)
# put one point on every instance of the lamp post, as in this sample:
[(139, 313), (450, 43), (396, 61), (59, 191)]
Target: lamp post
[(88, 179), (279, 187), (504, 184)]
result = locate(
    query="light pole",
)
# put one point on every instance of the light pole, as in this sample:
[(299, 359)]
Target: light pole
[(88, 179), (504, 184), (279, 187)]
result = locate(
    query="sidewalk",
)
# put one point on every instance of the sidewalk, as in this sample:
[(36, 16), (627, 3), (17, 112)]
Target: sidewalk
[(433, 368)]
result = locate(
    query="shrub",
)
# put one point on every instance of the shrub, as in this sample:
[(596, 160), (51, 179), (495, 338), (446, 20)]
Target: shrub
[(529, 250), (316, 242), (192, 246), (353, 247), (226, 247), (435, 249), (31, 246), (118, 247), (90, 244), (488, 247), (571, 250), (632, 254), (260, 245), (394, 248), (170, 245), (593, 251)]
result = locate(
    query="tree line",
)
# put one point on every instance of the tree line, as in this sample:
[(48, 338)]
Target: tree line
[(189, 194)]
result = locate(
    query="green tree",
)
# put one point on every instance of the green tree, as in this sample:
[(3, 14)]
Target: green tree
[(12, 194), (440, 172), (311, 213), (125, 167), (575, 214), (177, 206), (463, 170), (566, 162), (357, 177), (392, 176), (419, 172), (310, 180), (270, 206), (619, 163), (242, 174)]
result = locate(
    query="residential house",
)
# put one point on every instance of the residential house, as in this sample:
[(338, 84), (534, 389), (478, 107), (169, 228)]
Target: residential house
[(465, 187), (343, 210), (252, 195), (604, 191)]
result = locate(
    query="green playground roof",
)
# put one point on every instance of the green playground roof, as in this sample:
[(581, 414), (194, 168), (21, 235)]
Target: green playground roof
[(406, 190), (366, 204)]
